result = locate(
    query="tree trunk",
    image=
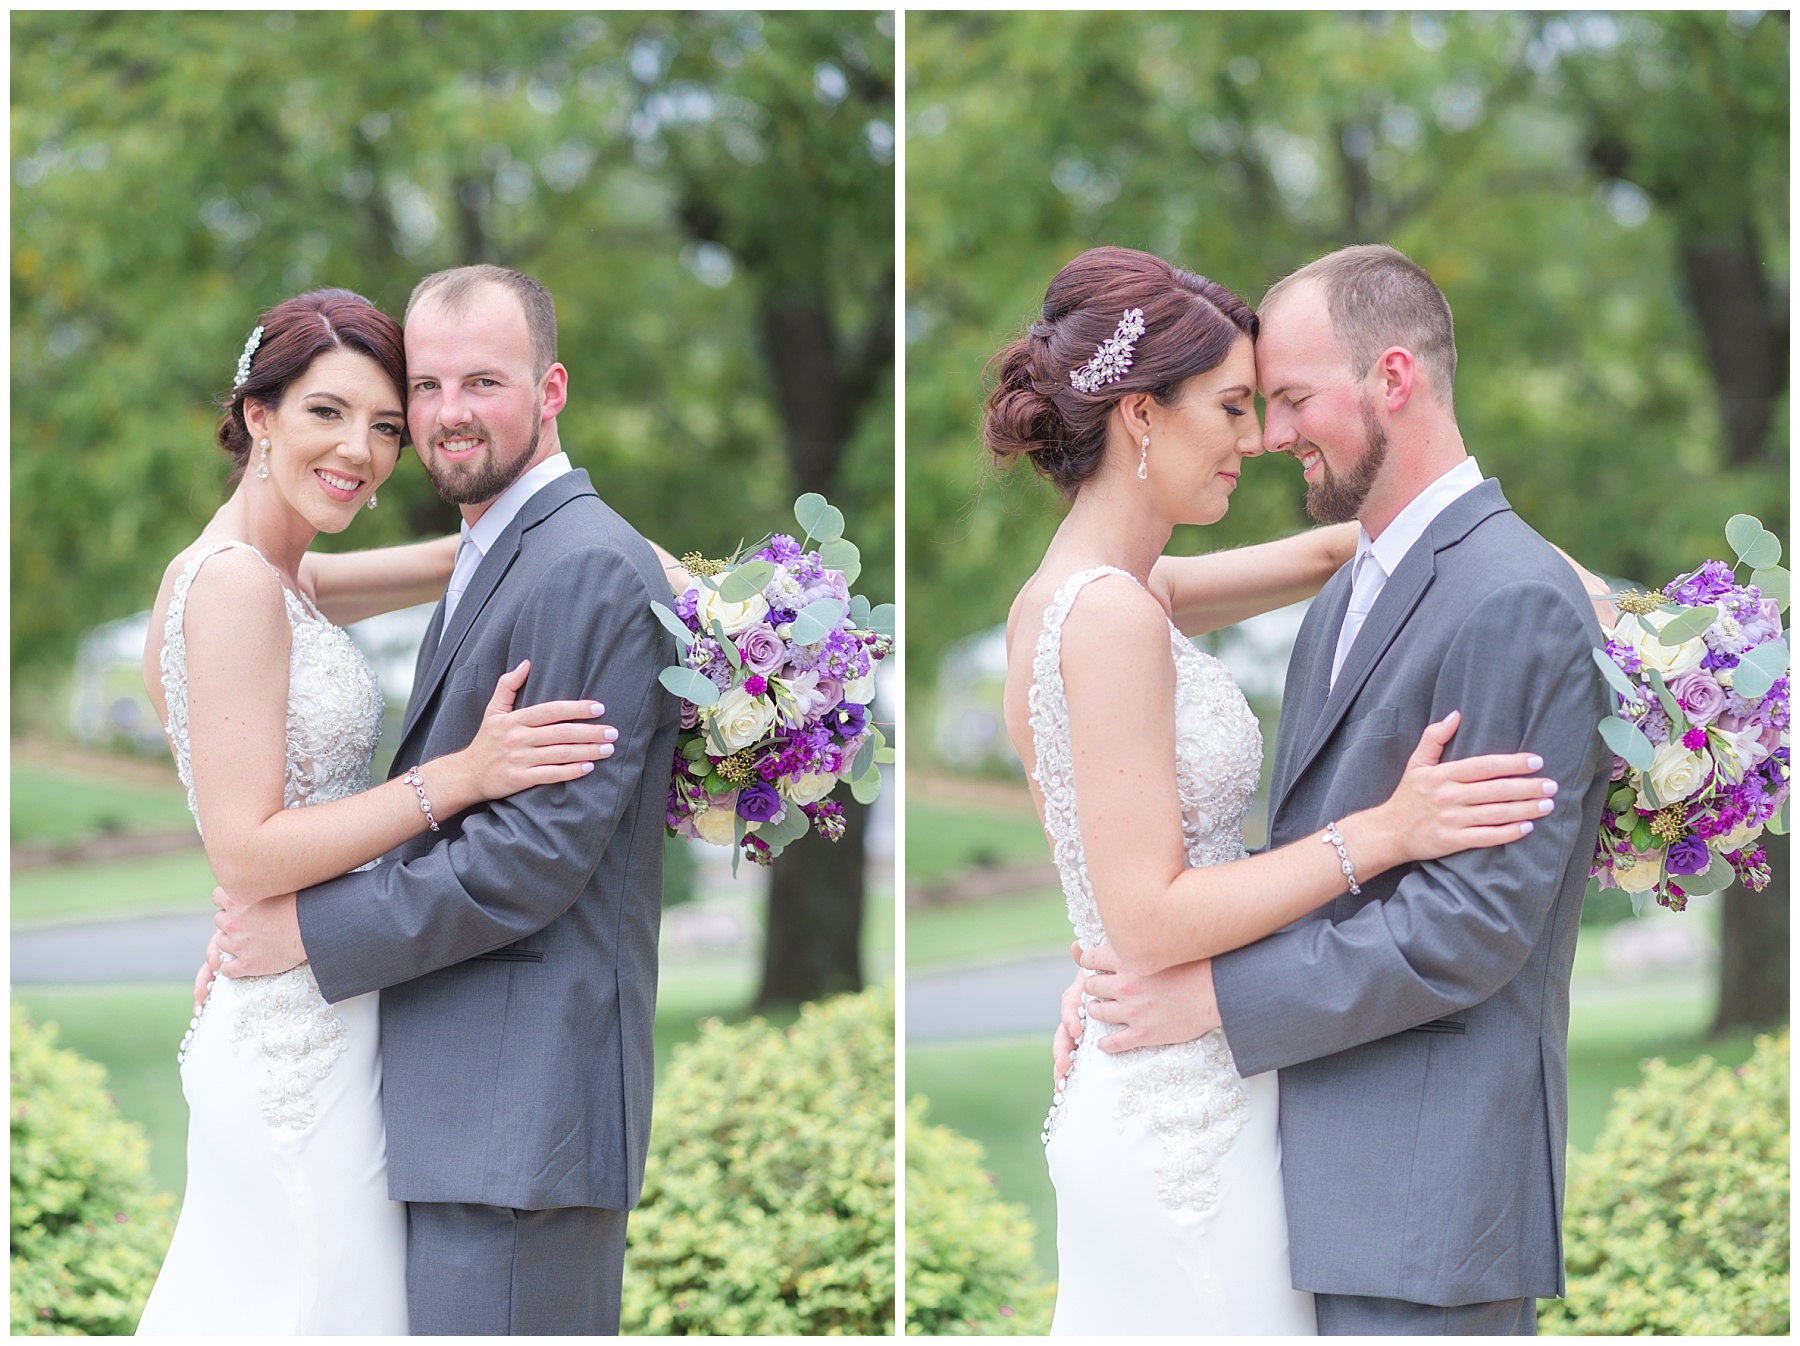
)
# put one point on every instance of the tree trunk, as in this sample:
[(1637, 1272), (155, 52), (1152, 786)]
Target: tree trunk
[(1744, 335), (814, 944), (1753, 950)]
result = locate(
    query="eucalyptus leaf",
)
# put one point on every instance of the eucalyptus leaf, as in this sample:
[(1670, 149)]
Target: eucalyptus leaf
[(1617, 678), (885, 755), (1716, 876), (841, 554), (794, 824), (1742, 531), (1778, 824), (1757, 670), (727, 645), (746, 581), (1773, 581), (866, 790), (865, 758), (709, 582), (1628, 741), (859, 612), (881, 620), (1637, 904), (677, 627), (822, 521), (817, 620), (1691, 623), (690, 685), (1765, 551), (1677, 717)]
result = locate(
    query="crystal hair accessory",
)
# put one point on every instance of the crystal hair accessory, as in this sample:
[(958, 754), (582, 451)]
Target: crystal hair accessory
[(243, 369), (1112, 357)]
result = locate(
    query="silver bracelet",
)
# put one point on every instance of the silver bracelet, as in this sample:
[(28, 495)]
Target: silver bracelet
[(1333, 837), (412, 779)]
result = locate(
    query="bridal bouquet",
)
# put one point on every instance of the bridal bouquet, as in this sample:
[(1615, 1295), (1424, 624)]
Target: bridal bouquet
[(1699, 729), (777, 671)]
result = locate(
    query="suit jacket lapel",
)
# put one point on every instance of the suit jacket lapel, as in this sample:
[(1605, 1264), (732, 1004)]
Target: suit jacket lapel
[(1399, 597), (482, 585), (1309, 672)]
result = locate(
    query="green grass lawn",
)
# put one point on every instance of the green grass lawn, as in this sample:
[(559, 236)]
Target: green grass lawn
[(170, 882), (942, 839), (974, 932), (996, 1090), (49, 805)]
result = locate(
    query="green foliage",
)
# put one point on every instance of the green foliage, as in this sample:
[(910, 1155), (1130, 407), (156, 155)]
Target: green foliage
[(1242, 144), (768, 1206), (672, 178), (969, 1268), (1677, 1220), (88, 1229)]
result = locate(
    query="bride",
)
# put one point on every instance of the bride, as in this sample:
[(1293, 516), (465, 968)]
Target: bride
[(286, 1227), (1133, 393)]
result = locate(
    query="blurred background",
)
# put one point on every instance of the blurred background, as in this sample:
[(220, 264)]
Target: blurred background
[(710, 199), (1603, 198)]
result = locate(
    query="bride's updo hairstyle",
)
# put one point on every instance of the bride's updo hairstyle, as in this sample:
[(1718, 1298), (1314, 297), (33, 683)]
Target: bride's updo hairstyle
[(294, 334), (1190, 325)]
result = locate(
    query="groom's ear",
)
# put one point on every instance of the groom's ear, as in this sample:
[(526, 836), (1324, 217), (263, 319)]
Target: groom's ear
[(1395, 374), (555, 389)]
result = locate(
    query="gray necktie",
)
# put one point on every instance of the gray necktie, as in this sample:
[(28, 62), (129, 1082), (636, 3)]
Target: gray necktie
[(468, 560), (1366, 583)]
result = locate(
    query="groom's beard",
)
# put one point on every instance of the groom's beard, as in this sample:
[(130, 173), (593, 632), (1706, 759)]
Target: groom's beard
[(1334, 499), (475, 483)]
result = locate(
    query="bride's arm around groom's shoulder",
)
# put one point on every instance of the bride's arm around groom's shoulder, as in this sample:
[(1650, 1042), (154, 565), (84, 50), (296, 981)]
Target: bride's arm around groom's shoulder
[(1216, 589)]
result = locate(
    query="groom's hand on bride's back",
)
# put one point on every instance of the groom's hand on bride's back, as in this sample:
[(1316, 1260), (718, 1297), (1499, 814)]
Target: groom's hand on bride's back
[(1152, 1009), (256, 939)]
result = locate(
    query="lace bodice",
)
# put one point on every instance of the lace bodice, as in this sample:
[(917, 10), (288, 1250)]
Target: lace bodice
[(1190, 1092), (333, 721)]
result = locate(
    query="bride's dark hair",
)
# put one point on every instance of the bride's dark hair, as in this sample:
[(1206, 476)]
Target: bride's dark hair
[(295, 333), (1190, 325)]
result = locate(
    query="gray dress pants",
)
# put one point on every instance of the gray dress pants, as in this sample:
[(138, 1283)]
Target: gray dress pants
[(489, 1271), (1367, 1316)]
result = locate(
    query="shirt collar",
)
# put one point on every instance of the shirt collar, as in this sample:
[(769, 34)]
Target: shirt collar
[(487, 529), (1410, 524)]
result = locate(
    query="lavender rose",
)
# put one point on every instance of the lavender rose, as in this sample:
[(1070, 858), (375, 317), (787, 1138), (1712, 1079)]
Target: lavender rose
[(1700, 695), (763, 650), (761, 802), (1688, 856)]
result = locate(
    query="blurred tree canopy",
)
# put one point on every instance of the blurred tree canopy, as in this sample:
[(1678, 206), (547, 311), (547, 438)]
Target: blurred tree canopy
[(709, 197), (1602, 197)]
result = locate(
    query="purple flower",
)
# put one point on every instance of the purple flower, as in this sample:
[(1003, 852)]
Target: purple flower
[(762, 649), (756, 684), (758, 803), (1624, 656), (690, 714), (1694, 739), (1712, 581), (847, 719), (1700, 695), (687, 607), (1688, 856)]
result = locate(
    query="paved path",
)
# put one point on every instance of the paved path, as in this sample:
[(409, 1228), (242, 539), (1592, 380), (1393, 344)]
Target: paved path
[(991, 1000), (141, 948)]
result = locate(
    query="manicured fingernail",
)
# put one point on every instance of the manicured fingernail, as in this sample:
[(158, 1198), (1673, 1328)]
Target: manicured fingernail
[(597, 709), (586, 767), (606, 750), (1549, 787), (1534, 762), (1545, 805), (1525, 828), (611, 734)]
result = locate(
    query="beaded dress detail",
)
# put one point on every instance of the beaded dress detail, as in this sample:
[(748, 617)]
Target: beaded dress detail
[(333, 721), (1189, 1094)]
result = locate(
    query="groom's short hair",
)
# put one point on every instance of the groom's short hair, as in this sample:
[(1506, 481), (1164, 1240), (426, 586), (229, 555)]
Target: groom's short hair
[(453, 290), (1379, 297)]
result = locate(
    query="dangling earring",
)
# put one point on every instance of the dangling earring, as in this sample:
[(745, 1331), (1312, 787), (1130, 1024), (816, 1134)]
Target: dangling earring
[(262, 464), (371, 500), (1144, 461)]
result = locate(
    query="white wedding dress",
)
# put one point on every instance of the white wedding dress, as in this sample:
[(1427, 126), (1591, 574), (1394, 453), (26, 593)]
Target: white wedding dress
[(286, 1228), (1167, 1165)]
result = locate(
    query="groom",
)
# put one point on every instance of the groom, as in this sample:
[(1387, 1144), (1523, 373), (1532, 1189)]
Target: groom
[(515, 950), (1421, 1029)]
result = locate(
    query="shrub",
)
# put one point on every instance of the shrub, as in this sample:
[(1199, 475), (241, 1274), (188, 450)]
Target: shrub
[(88, 1229), (1677, 1220), (969, 1267), (768, 1203)]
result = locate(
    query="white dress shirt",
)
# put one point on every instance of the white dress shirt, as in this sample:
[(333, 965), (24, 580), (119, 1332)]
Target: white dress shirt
[(473, 548), (1377, 558)]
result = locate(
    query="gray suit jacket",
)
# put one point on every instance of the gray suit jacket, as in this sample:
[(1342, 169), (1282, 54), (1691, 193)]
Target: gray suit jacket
[(515, 950), (1421, 1029)]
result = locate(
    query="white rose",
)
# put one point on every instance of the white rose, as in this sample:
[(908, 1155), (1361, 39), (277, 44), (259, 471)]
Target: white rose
[(808, 788), (734, 617), (1675, 773), (1671, 662), (1737, 838), (741, 719), (861, 690), (1638, 876), (718, 827)]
